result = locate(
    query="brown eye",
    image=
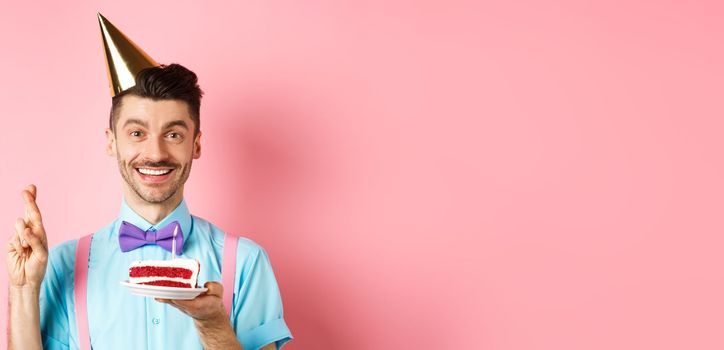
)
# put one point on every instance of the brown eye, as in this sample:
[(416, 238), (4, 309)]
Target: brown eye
[(135, 133)]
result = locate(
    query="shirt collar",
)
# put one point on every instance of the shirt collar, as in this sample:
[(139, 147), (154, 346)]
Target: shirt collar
[(180, 214)]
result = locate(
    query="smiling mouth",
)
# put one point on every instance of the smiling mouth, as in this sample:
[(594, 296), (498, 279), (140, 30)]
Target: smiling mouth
[(154, 175), (153, 172)]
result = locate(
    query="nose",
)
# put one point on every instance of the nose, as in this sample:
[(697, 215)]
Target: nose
[(156, 149)]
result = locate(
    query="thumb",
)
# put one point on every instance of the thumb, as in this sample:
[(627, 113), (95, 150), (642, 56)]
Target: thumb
[(214, 288), (39, 249)]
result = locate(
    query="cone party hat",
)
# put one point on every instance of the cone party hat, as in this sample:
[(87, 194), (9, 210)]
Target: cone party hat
[(124, 59)]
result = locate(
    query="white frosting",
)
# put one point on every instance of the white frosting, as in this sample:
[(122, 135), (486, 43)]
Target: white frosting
[(190, 264)]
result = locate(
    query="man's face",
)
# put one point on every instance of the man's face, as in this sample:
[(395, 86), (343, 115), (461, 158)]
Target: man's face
[(154, 144)]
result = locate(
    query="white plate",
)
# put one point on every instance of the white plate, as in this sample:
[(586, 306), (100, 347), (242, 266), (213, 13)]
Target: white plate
[(163, 292)]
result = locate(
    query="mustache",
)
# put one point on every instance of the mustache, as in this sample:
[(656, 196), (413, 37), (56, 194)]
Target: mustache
[(161, 164)]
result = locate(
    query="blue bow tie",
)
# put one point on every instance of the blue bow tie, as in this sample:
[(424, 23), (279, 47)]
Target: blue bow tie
[(131, 237)]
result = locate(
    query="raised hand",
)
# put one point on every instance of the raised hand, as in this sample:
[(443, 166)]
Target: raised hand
[(28, 246)]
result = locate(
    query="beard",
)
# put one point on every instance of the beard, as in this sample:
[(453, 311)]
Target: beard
[(153, 194)]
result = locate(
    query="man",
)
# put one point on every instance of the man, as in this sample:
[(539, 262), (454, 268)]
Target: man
[(154, 133)]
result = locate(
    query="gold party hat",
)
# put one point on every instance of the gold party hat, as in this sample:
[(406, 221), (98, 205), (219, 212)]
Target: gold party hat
[(124, 59)]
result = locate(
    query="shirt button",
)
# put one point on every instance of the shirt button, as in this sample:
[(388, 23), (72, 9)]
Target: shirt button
[(156, 320)]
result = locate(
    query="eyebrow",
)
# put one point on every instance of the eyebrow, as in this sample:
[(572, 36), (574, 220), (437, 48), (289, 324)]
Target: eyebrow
[(135, 121), (178, 122), (168, 125)]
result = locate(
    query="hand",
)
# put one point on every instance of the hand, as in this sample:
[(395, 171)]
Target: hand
[(210, 318), (28, 246), (205, 308)]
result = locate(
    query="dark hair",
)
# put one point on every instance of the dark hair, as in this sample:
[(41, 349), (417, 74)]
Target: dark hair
[(165, 82)]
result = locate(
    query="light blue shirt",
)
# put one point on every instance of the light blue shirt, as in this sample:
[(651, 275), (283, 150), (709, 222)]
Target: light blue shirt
[(118, 319)]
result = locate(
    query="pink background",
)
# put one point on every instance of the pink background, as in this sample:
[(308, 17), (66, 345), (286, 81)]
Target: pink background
[(424, 174)]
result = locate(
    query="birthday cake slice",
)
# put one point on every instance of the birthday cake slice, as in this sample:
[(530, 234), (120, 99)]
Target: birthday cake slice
[(168, 273)]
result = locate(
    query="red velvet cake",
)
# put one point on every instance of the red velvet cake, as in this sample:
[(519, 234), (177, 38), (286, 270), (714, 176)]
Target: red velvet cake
[(169, 273)]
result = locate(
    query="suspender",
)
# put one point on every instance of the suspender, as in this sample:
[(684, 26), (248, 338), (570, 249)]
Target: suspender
[(82, 253)]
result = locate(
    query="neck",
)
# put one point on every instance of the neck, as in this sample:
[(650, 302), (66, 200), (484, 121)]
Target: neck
[(152, 212)]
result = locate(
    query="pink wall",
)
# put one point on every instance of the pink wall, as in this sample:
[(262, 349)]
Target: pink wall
[(424, 174)]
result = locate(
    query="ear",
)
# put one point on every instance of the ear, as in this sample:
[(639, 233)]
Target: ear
[(110, 143), (197, 145)]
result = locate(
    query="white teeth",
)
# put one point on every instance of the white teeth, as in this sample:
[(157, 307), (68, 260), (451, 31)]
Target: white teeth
[(153, 172)]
